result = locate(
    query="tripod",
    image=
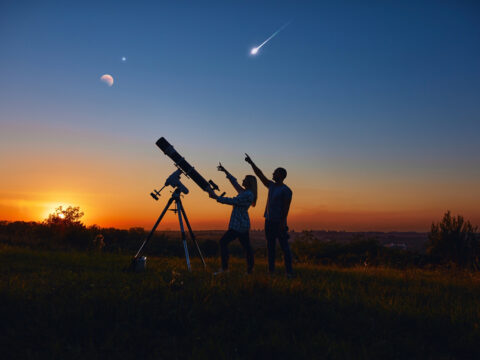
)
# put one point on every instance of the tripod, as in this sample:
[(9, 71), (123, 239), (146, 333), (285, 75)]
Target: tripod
[(180, 210)]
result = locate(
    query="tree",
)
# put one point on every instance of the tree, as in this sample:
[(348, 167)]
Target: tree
[(454, 240), (66, 227), (65, 217)]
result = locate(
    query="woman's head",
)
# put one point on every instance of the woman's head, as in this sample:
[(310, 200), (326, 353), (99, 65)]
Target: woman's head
[(250, 183)]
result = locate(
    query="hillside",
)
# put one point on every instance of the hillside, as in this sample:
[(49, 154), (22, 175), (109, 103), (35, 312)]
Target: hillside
[(77, 305)]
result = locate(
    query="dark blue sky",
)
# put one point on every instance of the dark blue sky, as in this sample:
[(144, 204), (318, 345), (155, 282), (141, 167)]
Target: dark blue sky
[(382, 65), (348, 86)]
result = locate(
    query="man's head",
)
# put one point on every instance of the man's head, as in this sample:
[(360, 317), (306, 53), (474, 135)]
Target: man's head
[(279, 175)]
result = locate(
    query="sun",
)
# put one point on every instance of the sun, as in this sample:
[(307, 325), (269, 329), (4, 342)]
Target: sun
[(51, 209)]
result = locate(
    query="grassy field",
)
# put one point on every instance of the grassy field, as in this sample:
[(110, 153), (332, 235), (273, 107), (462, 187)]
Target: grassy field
[(75, 305)]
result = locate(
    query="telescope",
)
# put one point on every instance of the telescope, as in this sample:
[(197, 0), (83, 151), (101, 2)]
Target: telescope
[(186, 168), (183, 167)]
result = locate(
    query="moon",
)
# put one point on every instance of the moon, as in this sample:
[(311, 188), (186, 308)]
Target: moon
[(107, 79)]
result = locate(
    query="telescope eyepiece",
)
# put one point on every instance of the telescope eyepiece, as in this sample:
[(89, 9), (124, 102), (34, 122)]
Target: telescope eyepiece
[(214, 186)]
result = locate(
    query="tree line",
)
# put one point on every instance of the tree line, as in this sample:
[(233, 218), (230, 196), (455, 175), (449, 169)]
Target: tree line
[(453, 242)]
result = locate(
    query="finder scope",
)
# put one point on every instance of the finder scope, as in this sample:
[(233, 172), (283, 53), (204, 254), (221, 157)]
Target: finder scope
[(182, 164)]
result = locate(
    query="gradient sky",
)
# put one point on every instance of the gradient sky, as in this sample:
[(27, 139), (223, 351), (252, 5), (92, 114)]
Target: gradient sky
[(373, 107)]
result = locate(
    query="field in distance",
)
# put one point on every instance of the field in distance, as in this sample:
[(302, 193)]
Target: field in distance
[(76, 305), (413, 241)]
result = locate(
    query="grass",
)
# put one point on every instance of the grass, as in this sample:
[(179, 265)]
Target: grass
[(77, 305)]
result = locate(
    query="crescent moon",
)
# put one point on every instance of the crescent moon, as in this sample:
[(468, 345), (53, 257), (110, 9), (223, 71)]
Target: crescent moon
[(107, 79)]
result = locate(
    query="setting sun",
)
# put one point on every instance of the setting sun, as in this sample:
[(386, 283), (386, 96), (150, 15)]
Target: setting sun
[(54, 208)]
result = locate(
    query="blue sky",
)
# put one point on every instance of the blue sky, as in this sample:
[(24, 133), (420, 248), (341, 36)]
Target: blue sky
[(388, 88)]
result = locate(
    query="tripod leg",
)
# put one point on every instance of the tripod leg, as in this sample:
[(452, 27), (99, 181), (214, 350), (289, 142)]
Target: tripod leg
[(154, 227), (192, 235), (182, 229)]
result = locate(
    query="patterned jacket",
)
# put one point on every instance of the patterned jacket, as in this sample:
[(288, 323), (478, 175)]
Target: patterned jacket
[(239, 220)]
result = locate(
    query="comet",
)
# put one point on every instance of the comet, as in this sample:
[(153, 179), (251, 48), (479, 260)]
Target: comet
[(254, 51)]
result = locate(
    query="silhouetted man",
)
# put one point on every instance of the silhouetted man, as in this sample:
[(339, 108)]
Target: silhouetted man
[(276, 211)]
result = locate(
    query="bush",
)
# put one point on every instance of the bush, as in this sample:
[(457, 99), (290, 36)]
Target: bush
[(454, 240)]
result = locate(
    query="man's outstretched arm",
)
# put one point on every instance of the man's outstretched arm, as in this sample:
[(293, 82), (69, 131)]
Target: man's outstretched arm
[(258, 172)]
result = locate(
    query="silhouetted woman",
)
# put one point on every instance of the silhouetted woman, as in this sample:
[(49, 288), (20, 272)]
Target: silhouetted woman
[(239, 225)]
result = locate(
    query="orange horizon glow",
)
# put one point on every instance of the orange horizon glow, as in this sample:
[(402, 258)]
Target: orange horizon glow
[(205, 214), (112, 189)]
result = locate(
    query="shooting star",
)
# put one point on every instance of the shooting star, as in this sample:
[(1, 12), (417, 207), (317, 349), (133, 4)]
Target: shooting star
[(254, 51)]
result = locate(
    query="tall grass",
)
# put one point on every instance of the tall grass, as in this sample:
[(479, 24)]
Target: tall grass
[(77, 305)]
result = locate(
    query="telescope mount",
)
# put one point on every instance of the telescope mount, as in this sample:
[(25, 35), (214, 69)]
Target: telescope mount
[(174, 181)]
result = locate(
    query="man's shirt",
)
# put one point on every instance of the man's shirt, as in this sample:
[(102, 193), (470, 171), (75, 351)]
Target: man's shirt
[(278, 202)]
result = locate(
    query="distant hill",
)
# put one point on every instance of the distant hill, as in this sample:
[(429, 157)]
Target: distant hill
[(413, 241)]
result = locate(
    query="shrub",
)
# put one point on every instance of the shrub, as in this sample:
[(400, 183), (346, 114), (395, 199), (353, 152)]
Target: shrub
[(454, 240)]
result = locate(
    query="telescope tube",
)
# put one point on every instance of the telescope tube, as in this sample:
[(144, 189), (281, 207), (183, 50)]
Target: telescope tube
[(188, 169)]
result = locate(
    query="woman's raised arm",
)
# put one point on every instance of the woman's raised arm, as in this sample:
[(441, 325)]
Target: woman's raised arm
[(230, 177)]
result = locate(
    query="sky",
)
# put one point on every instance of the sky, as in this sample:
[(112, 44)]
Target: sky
[(372, 107)]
